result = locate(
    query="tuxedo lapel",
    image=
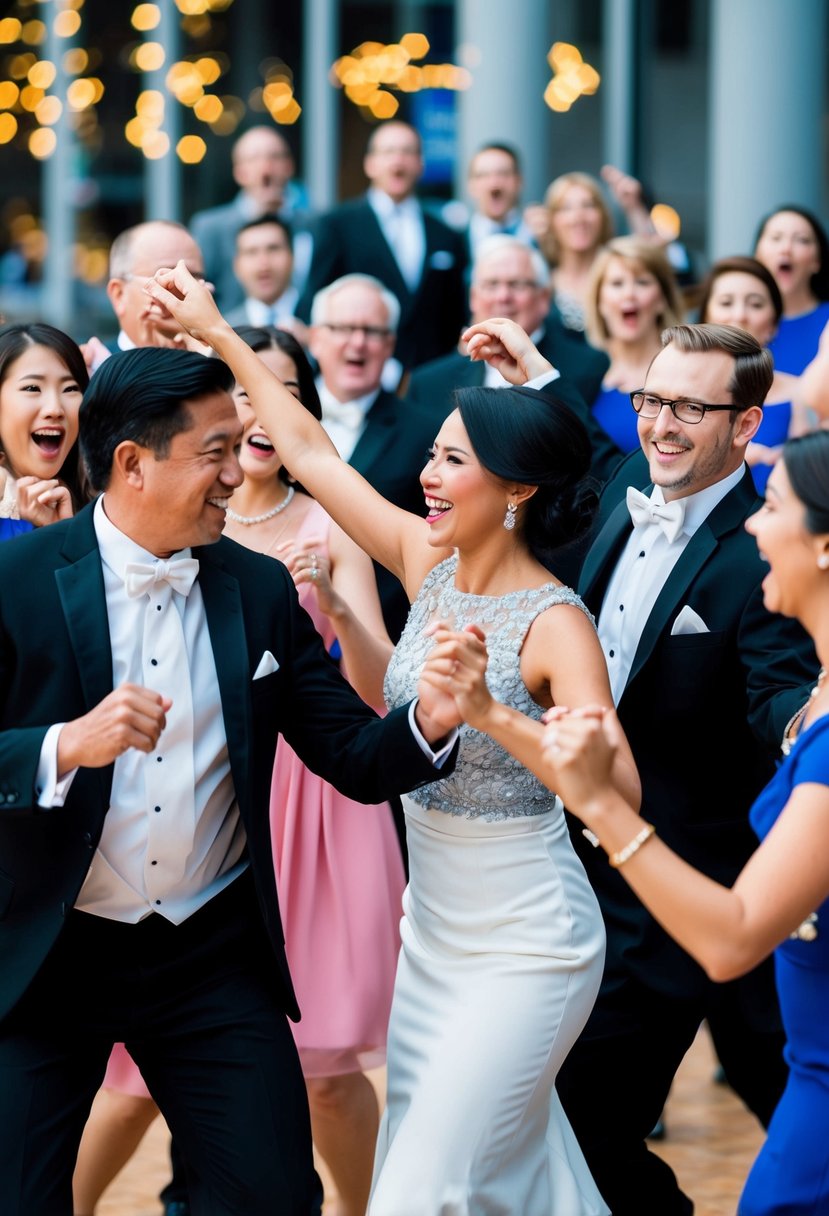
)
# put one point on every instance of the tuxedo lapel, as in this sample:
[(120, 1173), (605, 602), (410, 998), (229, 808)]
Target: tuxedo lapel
[(82, 596), (696, 553), (602, 556), (378, 432), (226, 626), (390, 272), (727, 516)]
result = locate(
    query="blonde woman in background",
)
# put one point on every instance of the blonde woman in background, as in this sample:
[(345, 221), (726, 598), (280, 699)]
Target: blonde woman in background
[(632, 296)]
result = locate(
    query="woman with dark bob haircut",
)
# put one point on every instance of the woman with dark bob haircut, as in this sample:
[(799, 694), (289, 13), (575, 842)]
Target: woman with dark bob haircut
[(42, 379), (502, 938), (780, 901)]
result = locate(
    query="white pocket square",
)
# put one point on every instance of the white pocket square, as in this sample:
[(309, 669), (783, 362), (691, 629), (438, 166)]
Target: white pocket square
[(689, 621), (267, 665)]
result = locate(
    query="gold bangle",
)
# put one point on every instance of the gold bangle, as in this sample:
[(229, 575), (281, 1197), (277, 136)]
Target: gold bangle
[(633, 846)]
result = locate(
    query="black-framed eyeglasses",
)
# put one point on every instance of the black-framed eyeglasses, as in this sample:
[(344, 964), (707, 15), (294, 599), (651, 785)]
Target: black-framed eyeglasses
[(372, 333), (689, 412)]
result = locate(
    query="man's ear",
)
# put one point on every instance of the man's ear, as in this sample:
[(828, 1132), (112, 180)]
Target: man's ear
[(115, 292), (128, 462), (748, 422)]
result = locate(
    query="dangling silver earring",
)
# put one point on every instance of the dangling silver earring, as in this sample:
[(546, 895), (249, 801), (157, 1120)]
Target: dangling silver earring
[(509, 518), (822, 561)]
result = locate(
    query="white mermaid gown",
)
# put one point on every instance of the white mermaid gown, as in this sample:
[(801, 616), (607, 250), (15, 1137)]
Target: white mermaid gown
[(502, 953)]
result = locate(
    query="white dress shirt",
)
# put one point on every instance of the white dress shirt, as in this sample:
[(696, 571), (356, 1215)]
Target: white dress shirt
[(641, 572), (344, 421), (262, 314), (402, 226), (133, 841)]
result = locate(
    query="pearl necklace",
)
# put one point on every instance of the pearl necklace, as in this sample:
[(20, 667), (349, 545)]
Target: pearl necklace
[(247, 520), (796, 720)]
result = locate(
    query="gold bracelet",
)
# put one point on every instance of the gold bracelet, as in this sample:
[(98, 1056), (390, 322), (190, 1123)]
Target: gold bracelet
[(633, 846)]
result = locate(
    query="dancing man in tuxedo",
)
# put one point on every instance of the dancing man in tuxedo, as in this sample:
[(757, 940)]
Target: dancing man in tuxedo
[(705, 680), (147, 666)]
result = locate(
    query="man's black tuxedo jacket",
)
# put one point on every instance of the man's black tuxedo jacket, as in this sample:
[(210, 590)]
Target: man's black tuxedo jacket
[(432, 387), (349, 240), (704, 712), (55, 665), (390, 454)]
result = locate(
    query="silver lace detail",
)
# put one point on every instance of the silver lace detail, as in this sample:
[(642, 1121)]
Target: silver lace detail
[(487, 782)]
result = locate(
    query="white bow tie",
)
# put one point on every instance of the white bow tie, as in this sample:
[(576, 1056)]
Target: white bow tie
[(345, 412), (180, 573), (669, 516)]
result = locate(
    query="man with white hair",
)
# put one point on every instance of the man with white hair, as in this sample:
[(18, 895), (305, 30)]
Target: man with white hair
[(353, 329)]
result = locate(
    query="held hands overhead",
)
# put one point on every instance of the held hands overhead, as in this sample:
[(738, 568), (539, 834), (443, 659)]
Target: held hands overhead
[(506, 347), (189, 301)]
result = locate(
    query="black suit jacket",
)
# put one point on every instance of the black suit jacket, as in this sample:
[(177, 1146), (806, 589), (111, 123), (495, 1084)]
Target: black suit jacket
[(349, 240), (55, 664), (704, 713), (432, 386), (390, 454)]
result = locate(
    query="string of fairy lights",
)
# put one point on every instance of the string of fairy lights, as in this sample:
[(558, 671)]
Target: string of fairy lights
[(37, 92)]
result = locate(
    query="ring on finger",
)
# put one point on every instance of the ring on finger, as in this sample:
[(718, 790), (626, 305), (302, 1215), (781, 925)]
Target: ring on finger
[(314, 573)]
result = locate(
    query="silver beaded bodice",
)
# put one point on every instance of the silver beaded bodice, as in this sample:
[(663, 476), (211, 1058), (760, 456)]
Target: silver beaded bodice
[(487, 780)]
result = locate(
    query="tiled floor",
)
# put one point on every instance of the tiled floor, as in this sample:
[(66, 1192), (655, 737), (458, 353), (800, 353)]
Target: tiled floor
[(711, 1143)]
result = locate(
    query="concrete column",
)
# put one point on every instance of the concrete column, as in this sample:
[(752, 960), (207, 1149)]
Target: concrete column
[(319, 100), (768, 87), (58, 191), (162, 177), (618, 90), (508, 45)]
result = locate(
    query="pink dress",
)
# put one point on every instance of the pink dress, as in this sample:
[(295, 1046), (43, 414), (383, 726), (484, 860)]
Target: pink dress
[(340, 879)]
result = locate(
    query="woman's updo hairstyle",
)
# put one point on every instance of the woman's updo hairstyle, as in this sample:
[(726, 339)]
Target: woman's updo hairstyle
[(531, 438), (806, 460)]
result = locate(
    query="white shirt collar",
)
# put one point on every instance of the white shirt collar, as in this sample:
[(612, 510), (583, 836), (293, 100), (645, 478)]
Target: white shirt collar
[(700, 505), (116, 548), (363, 403), (384, 206)]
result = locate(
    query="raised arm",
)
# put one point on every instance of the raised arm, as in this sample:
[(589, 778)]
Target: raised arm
[(727, 930), (395, 538)]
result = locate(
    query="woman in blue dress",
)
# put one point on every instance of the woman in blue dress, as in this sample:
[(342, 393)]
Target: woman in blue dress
[(632, 296), (742, 291), (780, 902), (42, 379), (792, 243)]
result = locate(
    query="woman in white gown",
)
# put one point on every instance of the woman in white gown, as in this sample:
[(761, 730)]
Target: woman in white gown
[(502, 938)]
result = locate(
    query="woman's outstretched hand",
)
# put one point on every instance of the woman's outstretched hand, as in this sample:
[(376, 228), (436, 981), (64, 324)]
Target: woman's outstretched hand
[(506, 347), (578, 749), (189, 300)]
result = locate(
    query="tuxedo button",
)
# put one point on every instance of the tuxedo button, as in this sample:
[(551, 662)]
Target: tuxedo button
[(87, 838)]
